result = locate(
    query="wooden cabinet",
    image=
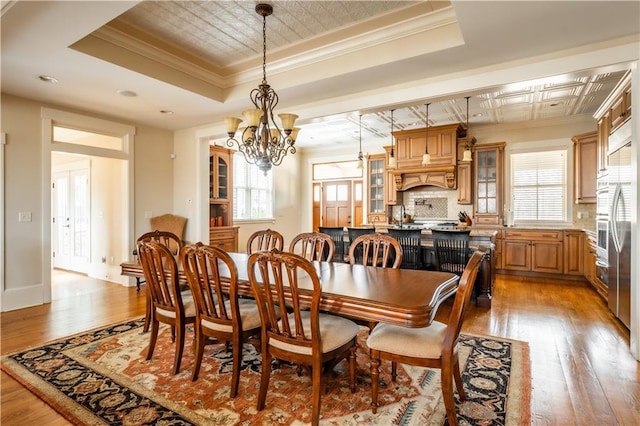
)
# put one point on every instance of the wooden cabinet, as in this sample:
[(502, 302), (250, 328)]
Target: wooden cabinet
[(465, 184), (376, 188), (488, 172), (620, 110), (221, 231), (533, 251), (590, 272), (573, 260), (585, 152), (614, 111), (391, 191), (443, 143), (225, 237)]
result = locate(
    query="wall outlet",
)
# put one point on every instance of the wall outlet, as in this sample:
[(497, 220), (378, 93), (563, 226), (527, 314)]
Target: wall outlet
[(24, 217)]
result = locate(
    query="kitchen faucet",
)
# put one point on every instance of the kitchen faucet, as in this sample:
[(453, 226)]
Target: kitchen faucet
[(402, 213)]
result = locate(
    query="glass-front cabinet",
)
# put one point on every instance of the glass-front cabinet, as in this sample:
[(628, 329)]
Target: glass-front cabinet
[(488, 163), (376, 188), (220, 189)]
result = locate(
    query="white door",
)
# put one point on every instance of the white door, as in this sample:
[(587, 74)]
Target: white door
[(71, 220)]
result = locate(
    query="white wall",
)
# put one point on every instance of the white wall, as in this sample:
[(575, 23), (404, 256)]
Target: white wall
[(25, 166)]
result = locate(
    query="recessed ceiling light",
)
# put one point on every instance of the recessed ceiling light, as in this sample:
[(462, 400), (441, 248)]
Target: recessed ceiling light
[(127, 93), (166, 111), (555, 104), (48, 79), (479, 114)]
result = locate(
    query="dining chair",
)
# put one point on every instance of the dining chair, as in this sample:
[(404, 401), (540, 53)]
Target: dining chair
[(433, 346), (313, 246), (305, 336), (264, 240), (221, 316), (337, 235), (411, 242), (376, 250), (452, 250), (352, 234), (161, 274), (174, 244)]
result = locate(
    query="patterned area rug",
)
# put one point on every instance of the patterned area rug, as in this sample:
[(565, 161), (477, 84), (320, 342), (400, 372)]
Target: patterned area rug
[(102, 377)]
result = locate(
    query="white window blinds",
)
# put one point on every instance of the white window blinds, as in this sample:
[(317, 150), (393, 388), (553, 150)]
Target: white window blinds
[(252, 191), (538, 186)]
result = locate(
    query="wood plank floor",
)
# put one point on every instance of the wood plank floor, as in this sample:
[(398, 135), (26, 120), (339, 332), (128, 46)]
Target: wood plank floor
[(582, 371)]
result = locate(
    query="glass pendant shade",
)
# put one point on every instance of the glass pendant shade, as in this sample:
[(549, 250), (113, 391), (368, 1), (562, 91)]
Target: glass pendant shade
[(360, 164), (294, 133), (392, 161), (288, 121), (252, 116), (232, 124), (466, 155), (426, 159)]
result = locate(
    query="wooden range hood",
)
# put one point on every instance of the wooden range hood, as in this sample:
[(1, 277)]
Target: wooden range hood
[(445, 147), (440, 176)]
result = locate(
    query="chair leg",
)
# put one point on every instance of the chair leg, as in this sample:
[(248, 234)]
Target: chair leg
[(264, 377), (318, 388), (200, 343), (179, 348), (352, 368), (375, 377), (237, 361), (394, 371), (447, 395), (458, 378), (154, 336)]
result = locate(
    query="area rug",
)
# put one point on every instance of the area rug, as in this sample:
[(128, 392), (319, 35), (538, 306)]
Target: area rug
[(102, 377)]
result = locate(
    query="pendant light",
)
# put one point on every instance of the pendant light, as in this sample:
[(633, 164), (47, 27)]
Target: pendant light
[(466, 155), (426, 158), (392, 159), (360, 156)]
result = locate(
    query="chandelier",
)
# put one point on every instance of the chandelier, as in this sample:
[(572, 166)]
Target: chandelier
[(263, 142)]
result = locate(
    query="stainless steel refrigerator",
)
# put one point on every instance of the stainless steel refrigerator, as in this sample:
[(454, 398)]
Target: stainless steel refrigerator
[(621, 210)]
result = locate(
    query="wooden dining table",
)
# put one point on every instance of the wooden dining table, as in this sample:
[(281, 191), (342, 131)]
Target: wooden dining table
[(405, 297)]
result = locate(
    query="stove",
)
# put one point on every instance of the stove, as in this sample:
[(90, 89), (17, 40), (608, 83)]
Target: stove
[(427, 224)]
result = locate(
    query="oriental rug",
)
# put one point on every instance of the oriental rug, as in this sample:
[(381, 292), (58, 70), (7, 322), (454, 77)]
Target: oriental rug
[(102, 377)]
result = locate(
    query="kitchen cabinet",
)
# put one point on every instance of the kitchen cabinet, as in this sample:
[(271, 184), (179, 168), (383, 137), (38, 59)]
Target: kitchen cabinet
[(585, 152), (533, 251), (620, 110), (488, 172), (573, 248), (614, 112), (590, 255), (465, 183), (443, 143), (221, 231), (376, 188)]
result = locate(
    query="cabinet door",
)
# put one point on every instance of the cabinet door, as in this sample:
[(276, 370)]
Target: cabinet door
[(488, 165), (516, 255), (546, 256), (603, 144), (392, 194), (376, 184), (464, 184), (573, 253), (586, 165)]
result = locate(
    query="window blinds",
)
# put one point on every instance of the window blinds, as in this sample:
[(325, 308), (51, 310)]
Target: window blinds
[(538, 184)]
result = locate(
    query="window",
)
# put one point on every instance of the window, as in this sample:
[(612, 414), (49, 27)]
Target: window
[(538, 186), (252, 191)]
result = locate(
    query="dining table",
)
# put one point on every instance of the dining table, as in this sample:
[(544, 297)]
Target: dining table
[(405, 297)]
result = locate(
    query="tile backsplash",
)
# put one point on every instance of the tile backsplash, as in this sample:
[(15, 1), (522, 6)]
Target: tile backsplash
[(426, 203)]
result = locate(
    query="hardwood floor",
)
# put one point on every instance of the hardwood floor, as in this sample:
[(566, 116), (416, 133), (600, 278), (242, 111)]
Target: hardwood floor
[(582, 371)]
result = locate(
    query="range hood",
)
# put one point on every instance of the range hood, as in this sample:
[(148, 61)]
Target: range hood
[(439, 176)]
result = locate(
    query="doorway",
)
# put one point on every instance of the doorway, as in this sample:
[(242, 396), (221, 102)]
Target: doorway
[(71, 196)]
